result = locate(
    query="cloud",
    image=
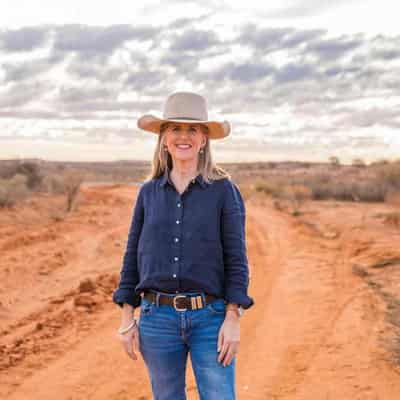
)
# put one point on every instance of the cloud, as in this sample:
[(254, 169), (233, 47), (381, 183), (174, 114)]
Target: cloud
[(248, 72), (21, 94), (26, 70), (194, 40), (307, 8), (283, 84), (23, 39), (333, 48), (292, 72), (95, 41)]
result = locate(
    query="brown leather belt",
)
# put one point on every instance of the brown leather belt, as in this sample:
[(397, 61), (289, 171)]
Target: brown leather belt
[(180, 302)]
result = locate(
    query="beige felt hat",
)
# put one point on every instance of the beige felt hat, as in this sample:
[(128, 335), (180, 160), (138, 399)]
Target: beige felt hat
[(185, 107)]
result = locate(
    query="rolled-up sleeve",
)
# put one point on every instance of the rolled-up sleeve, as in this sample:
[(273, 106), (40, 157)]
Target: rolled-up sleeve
[(129, 276), (234, 247)]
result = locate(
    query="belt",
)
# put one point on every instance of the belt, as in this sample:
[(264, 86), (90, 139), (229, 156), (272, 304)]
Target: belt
[(180, 302)]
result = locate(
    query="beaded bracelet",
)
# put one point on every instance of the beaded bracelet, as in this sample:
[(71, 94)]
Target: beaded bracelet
[(132, 324)]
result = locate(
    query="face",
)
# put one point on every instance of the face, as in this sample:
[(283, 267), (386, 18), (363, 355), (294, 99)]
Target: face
[(184, 140)]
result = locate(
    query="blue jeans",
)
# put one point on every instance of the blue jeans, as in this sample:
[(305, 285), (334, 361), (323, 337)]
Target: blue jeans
[(166, 336)]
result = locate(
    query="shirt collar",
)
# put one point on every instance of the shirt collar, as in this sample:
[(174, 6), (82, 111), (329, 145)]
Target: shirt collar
[(166, 178)]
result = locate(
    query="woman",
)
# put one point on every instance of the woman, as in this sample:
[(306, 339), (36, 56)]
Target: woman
[(185, 264)]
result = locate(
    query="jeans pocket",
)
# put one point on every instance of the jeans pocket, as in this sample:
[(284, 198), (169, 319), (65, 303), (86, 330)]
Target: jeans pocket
[(146, 308), (217, 307)]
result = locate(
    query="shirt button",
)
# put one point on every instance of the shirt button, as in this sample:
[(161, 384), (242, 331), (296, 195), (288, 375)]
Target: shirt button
[(176, 239), (176, 291), (176, 258), (174, 275), (177, 221), (179, 204)]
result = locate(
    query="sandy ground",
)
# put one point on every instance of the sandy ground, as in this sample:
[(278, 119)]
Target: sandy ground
[(318, 329)]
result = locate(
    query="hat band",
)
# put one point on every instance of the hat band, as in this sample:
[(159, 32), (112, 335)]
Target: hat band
[(192, 119)]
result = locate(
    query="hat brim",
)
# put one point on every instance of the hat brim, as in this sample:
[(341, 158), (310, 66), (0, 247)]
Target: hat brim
[(217, 130)]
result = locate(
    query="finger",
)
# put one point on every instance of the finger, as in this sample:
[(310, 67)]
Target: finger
[(230, 355), (128, 345), (220, 339), (136, 342), (136, 339), (225, 347)]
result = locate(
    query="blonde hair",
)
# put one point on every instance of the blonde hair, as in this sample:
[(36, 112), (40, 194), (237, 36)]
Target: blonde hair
[(206, 165)]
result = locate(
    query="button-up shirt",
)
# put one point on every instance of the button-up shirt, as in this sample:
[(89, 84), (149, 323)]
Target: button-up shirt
[(186, 242)]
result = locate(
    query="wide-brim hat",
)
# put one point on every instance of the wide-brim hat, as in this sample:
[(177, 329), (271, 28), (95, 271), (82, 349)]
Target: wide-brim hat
[(185, 107)]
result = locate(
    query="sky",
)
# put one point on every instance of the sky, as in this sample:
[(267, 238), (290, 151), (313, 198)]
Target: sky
[(297, 80)]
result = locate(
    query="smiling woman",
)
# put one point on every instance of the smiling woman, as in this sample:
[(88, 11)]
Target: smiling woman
[(185, 264)]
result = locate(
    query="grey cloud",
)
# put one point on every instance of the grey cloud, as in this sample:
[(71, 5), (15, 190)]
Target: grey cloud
[(272, 39), (183, 63), (184, 22), (263, 38), (57, 115), (387, 54), (20, 71), (92, 41), (194, 40), (20, 94), (299, 37), (86, 106), (96, 71), (144, 79), (333, 48), (23, 39), (368, 117), (250, 72), (293, 72), (81, 94), (306, 8)]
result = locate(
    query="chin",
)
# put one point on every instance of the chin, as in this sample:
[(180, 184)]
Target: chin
[(184, 157)]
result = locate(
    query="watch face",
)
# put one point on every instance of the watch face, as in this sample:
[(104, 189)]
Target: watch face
[(241, 310)]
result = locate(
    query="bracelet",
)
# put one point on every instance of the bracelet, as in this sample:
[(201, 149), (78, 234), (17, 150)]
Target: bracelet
[(131, 325)]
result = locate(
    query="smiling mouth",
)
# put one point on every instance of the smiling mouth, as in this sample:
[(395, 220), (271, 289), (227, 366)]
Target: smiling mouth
[(183, 146)]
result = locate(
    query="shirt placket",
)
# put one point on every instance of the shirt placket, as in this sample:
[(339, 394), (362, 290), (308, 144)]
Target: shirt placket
[(177, 237)]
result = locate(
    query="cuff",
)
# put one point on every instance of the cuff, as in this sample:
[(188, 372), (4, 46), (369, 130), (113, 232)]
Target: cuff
[(121, 296), (239, 298)]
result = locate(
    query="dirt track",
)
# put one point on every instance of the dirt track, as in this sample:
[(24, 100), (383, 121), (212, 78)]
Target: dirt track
[(317, 331)]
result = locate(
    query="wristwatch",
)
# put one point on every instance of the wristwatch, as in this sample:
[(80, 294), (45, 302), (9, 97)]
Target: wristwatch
[(239, 310)]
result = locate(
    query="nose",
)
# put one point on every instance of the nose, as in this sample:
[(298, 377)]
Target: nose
[(184, 131)]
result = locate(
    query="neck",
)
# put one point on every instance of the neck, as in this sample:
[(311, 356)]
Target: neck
[(184, 169)]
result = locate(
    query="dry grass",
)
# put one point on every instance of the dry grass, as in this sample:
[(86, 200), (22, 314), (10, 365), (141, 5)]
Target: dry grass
[(19, 180), (379, 182), (13, 190)]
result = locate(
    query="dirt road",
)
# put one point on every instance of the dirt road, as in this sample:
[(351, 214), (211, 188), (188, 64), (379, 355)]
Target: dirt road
[(317, 331)]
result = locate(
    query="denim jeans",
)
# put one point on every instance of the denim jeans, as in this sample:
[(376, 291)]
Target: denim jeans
[(166, 336)]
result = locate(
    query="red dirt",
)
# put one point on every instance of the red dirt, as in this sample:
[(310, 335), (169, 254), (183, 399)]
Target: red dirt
[(317, 331)]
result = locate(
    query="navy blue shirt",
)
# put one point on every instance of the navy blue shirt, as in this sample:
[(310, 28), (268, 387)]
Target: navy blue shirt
[(189, 242)]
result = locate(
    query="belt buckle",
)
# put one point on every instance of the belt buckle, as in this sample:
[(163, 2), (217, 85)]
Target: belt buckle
[(174, 302)]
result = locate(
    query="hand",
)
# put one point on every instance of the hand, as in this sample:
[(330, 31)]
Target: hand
[(228, 338), (130, 341)]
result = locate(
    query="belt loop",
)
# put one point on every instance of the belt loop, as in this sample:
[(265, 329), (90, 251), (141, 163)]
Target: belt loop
[(203, 297), (157, 299)]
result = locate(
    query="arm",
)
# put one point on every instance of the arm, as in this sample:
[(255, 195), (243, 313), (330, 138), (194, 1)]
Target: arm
[(234, 247), (125, 295), (236, 272)]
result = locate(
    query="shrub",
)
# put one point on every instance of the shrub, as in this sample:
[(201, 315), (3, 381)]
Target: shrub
[(334, 160), (72, 184), (54, 183), (13, 190), (32, 171), (297, 195)]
